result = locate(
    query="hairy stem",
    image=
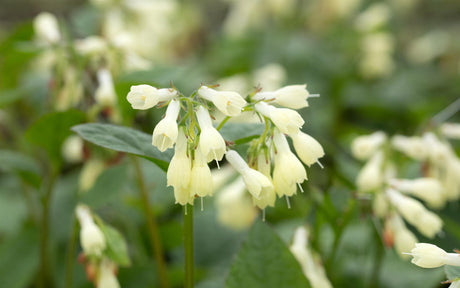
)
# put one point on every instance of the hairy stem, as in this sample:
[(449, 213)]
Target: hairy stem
[(188, 245), (152, 227)]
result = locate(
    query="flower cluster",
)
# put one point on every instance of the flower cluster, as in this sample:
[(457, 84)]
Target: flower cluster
[(99, 268), (197, 142), (393, 197), (431, 256)]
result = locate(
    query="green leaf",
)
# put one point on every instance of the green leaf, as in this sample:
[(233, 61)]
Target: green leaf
[(19, 259), (241, 133), (124, 139), (116, 249), (50, 131), (452, 272), (264, 261)]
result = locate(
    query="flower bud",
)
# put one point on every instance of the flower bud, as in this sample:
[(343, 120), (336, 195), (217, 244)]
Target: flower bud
[(107, 278), (91, 237), (72, 149), (228, 102), (293, 96), (165, 133)]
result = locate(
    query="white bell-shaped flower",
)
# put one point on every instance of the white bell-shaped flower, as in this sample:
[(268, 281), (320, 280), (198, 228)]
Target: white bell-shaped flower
[(438, 151), (105, 93), (431, 256), (450, 130), (404, 239), (228, 102), (426, 189), (106, 277), (292, 96), (286, 120), (145, 96), (201, 177), (307, 148), (212, 145), (288, 170), (91, 237), (363, 147), (179, 171), (371, 175), (165, 133), (413, 147), (46, 28), (256, 182), (426, 222)]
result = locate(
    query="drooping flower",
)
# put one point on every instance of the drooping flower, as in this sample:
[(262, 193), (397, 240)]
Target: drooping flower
[(46, 28), (307, 148), (413, 147), (286, 120), (267, 197), (404, 239), (371, 175), (255, 181), (288, 170), (292, 96), (431, 256), (145, 96), (179, 171), (415, 213), (363, 147), (228, 102), (91, 237), (107, 278), (201, 177), (105, 93), (426, 189), (211, 144), (165, 133)]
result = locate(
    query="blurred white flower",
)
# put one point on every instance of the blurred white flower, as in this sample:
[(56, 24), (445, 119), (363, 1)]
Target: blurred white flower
[(91, 237), (413, 147), (211, 144), (363, 147), (450, 130), (267, 197), (429, 46), (286, 120), (228, 102), (92, 45), (165, 133), (270, 77), (431, 256), (72, 149), (256, 182), (374, 17), (145, 96), (89, 173), (106, 277), (293, 96), (371, 175), (46, 28), (404, 239), (105, 93), (234, 208), (426, 189)]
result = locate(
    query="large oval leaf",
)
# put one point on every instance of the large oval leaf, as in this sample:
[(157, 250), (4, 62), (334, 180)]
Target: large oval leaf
[(124, 139), (264, 261)]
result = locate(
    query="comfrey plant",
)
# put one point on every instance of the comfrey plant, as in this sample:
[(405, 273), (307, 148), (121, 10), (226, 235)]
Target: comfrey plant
[(394, 198), (197, 142), (188, 128)]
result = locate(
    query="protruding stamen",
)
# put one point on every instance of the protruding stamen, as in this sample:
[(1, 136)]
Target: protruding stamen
[(320, 165), (313, 95), (202, 209), (263, 215), (185, 209), (288, 202), (300, 187)]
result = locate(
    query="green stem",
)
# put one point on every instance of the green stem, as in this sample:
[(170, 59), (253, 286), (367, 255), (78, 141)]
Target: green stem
[(188, 245), (44, 262), (152, 227), (222, 123), (71, 254)]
